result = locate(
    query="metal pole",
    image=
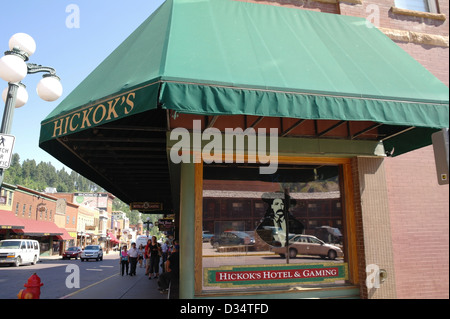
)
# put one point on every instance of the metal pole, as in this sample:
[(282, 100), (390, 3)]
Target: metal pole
[(8, 115), (287, 200)]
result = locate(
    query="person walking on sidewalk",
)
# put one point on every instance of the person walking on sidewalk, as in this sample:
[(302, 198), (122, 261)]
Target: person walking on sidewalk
[(155, 252), (165, 254), (133, 256), (124, 260), (147, 257), (140, 255)]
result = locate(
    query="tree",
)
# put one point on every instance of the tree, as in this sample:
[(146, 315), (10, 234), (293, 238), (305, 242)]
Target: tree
[(43, 175)]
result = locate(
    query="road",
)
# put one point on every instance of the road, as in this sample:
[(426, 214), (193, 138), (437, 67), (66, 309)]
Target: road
[(55, 274), (211, 258)]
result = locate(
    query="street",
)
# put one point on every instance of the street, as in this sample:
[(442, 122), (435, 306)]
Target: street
[(54, 273), (73, 279)]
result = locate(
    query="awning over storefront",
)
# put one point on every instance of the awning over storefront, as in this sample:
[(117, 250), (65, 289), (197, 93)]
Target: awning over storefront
[(113, 238), (40, 228), (65, 235), (223, 57), (9, 221)]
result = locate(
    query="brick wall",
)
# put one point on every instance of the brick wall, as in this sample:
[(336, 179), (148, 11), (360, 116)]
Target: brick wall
[(374, 238), (322, 6), (379, 12), (27, 202), (435, 58), (418, 206), (420, 225)]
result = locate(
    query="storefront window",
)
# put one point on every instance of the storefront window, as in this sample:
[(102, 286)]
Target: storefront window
[(247, 216)]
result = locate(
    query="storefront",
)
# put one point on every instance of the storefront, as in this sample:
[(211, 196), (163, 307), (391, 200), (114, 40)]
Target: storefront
[(9, 222), (50, 237), (220, 110)]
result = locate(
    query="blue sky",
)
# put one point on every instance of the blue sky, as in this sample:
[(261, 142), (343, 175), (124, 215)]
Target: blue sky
[(74, 51)]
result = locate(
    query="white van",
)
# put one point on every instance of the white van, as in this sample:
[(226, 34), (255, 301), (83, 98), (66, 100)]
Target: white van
[(142, 240), (19, 251)]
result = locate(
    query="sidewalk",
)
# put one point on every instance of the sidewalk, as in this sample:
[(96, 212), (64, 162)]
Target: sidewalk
[(117, 287), (120, 287)]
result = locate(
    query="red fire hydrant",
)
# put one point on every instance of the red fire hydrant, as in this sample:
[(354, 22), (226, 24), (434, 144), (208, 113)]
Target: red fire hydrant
[(33, 290)]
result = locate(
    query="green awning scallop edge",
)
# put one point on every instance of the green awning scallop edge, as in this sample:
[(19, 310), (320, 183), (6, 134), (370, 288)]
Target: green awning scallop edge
[(219, 100)]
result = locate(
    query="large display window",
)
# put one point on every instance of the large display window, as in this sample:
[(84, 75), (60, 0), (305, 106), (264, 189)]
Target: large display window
[(273, 231)]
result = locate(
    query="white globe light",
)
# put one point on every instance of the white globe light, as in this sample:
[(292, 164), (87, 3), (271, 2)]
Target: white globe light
[(12, 68), (21, 98), (23, 42), (49, 88)]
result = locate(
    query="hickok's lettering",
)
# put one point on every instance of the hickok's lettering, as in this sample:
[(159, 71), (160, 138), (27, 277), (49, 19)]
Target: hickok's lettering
[(94, 115)]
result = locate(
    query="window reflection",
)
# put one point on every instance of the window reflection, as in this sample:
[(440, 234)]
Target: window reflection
[(243, 217)]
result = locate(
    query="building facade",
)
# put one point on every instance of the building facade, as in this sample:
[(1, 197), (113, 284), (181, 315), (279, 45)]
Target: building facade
[(346, 107), (417, 205), (37, 213)]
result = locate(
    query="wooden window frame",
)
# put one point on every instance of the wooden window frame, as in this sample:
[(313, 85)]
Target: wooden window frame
[(348, 208)]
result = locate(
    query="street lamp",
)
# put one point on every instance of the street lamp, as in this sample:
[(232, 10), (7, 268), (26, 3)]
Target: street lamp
[(149, 225), (13, 69)]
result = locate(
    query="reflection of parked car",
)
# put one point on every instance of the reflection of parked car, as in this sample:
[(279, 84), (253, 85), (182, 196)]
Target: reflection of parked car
[(72, 252), (309, 245), (230, 238), (328, 234), (92, 252), (206, 236)]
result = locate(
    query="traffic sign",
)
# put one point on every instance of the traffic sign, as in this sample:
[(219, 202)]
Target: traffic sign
[(6, 149)]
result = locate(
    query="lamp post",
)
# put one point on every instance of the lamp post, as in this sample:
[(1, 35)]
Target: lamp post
[(13, 69), (149, 225)]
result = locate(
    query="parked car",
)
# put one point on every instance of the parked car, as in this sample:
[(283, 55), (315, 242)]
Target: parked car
[(309, 245), (230, 238), (72, 252), (19, 251), (329, 234), (206, 235), (92, 252)]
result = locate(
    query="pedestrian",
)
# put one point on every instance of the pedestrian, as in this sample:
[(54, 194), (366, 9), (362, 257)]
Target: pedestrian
[(155, 252), (147, 256), (140, 255), (172, 271), (124, 260), (133, 257), (165, 253)]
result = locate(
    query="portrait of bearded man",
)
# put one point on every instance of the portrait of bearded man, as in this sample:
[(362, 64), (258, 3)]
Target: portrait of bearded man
[(273, 226)]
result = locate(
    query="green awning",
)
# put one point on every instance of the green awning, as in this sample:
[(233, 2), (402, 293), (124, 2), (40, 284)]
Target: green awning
[(223, 57)]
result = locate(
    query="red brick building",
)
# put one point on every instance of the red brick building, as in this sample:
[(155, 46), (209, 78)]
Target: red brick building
[(37, 212), (418, 206), (31, 204)]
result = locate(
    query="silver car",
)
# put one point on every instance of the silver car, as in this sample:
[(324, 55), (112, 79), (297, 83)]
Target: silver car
[(309, 245), (92, 252)]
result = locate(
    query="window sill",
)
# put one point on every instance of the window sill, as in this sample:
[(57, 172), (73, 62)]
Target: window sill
[(413, 13), (326, 292)]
